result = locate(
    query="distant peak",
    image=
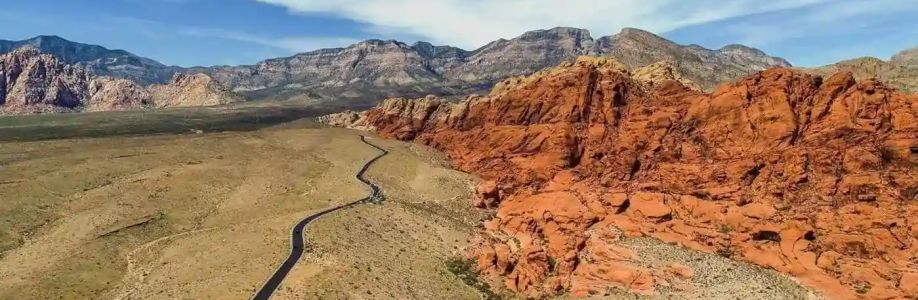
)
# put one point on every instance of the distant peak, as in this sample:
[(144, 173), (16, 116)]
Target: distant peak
[(742, 49), (557, 32), (27, 50), (907, 57), (568, 30), (48, 38), (378, 42), (738, 47), (640, 34), (631, 31)]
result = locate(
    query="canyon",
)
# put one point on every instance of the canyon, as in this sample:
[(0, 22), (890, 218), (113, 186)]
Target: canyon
[(812, 176)]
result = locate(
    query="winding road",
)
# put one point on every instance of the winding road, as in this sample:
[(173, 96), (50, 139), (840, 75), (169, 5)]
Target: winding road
[(296, 234)]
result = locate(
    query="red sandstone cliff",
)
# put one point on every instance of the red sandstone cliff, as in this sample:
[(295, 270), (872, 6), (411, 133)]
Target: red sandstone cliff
[(815, 177)]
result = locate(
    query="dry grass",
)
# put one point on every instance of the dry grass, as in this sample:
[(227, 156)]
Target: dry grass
[(399, 249), (207, 215)]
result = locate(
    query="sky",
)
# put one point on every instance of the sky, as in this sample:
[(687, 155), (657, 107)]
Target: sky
[(232, 32)]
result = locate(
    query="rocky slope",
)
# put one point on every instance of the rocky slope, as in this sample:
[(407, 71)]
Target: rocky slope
[(99, 60), (191, 90), (813, 176), (907, 57), (376, 68), (33, 82), (900, 72)]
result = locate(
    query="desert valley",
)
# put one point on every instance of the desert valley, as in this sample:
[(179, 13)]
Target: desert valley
[(550, 165)]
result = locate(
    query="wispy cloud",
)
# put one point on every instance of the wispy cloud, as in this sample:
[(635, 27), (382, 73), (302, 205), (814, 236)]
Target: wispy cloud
[(472, 23), (291, 44), (819, 21)]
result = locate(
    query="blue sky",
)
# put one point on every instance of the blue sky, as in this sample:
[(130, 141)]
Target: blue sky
[(212, 32)]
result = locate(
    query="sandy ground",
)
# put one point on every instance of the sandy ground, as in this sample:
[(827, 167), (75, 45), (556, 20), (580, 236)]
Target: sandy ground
[(712, 276), (174, 216), (397, 249)]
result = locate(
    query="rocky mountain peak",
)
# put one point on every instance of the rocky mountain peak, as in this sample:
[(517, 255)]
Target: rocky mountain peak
[(29, 51), (900, 72), (429, 50), (193, 89), (372, 43), (640, 34), (659, 73), (631, 31), (908, 57), (737, 48), (32, 81), (47, 41), (557, 33), (96, 59)]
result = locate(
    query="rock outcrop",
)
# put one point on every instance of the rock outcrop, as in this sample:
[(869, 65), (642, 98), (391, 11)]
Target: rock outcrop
[(900, 72), (33, 82), (660, 73), (907, 57), (191, 90), (813, 176), (99, 60)]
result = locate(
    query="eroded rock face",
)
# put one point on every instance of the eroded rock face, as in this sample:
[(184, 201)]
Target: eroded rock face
[(99, 60), (900, 72), (33, 82), (191, 90), (116, 94), (661, 72), (813, 176), (907, 57)]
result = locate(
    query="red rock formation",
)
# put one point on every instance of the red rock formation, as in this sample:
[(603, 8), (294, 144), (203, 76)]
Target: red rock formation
[(811, 176)]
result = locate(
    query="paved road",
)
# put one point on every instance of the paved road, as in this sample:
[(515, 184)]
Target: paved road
[(296, 235)]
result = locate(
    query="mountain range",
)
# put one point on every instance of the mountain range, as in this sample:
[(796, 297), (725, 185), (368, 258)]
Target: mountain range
[(360, 75), (35, 82), (370, 70), (98, 59), (375, 69)]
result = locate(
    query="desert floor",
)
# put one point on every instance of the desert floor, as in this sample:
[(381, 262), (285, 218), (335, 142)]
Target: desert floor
[(170, 214)]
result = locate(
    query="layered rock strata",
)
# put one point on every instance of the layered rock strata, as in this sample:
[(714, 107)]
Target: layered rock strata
[(816, 177)]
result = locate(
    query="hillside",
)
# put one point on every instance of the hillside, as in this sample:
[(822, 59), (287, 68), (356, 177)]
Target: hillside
[(362, 74), (97, 59), (900, 72), (34, 82), (373, 69), (810, 176)]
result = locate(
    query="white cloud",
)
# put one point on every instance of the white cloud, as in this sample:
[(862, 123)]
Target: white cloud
[(824, 21), (472, 23), (290, 44)]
